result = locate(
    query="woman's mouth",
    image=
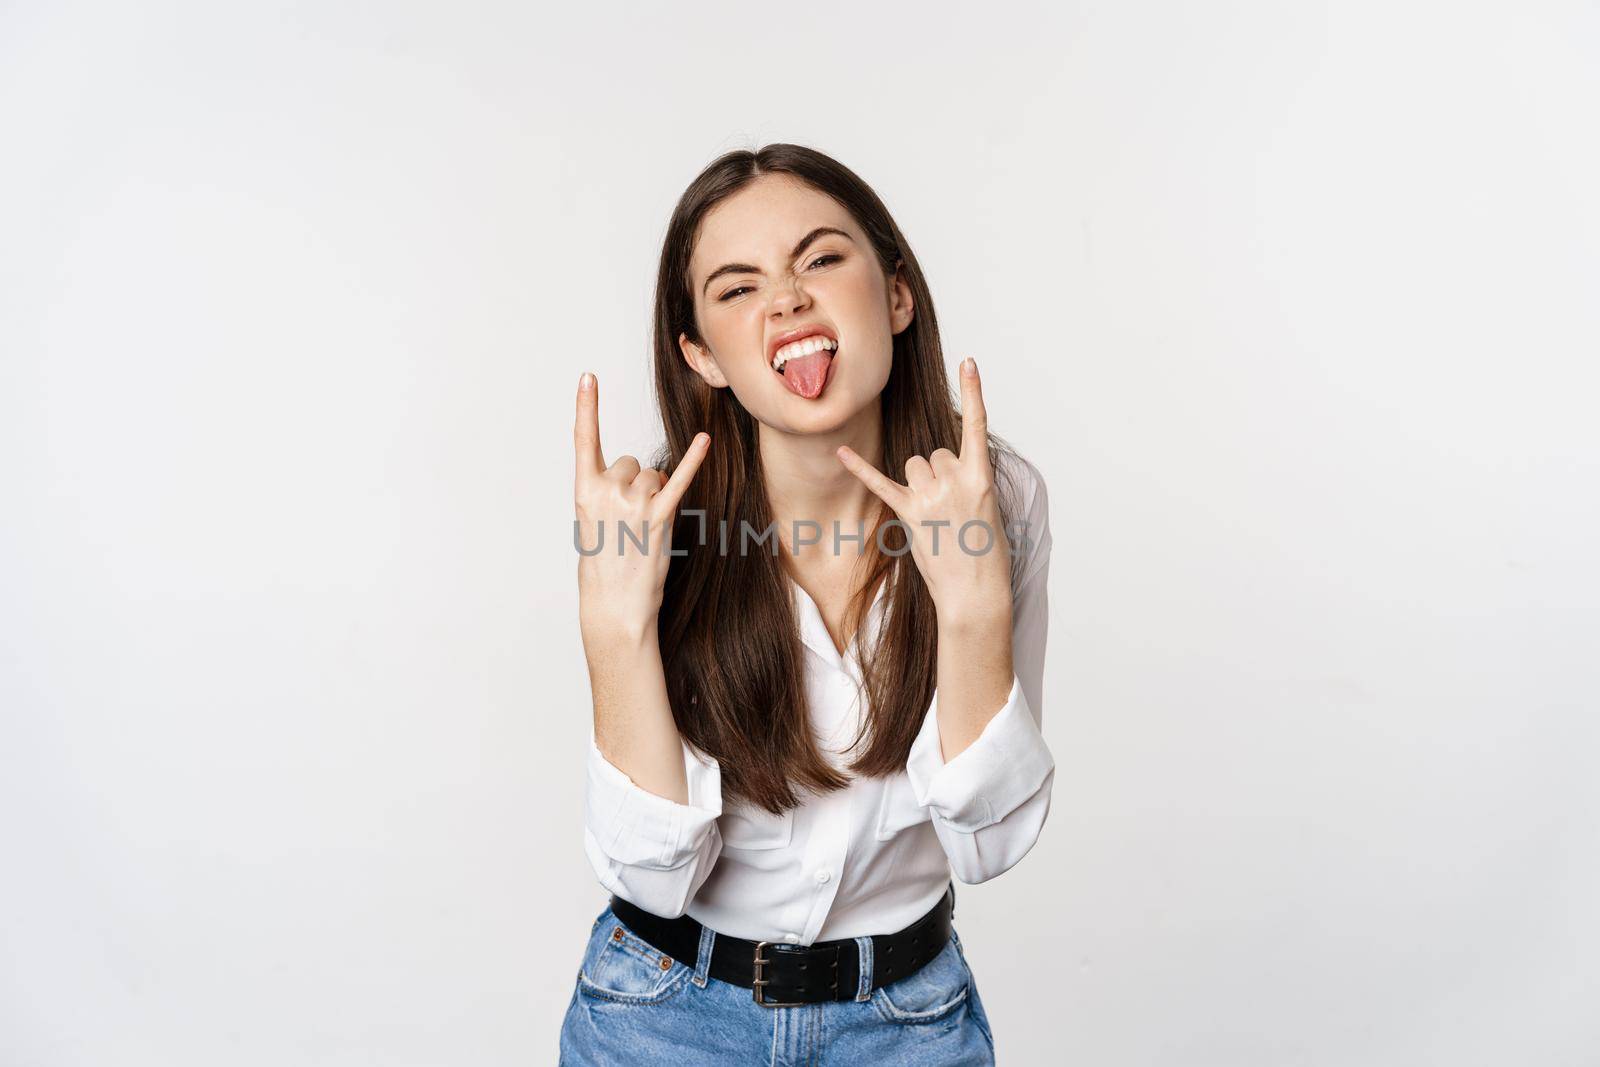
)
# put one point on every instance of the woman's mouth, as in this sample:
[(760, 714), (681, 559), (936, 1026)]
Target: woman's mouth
[(806, 365)]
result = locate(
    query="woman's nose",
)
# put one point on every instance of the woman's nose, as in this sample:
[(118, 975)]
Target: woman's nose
[(788, 296)]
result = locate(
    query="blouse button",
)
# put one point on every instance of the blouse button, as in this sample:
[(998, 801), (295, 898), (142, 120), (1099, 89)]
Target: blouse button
[(793, 939), (822, 877)]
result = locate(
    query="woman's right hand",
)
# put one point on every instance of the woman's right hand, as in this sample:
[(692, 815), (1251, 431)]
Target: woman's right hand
[(620, 595)]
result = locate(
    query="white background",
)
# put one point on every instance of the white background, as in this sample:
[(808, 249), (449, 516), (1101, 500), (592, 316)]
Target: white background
[(1294, 306)]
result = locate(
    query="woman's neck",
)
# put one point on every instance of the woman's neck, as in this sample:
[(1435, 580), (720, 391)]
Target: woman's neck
[(806, 483)]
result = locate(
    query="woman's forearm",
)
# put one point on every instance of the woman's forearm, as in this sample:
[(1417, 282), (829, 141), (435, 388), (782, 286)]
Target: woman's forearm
[(633, 725), (975, 672)]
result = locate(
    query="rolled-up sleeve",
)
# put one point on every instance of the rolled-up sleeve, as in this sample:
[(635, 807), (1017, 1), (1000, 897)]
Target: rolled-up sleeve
[(647, 849), (989, 804)]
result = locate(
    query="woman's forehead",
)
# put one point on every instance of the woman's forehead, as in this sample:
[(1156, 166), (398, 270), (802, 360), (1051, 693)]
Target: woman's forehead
[(763, 221)]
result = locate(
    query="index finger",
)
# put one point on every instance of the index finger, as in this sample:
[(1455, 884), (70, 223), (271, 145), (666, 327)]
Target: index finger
[(883, 487), (586, 431), (974, 416)]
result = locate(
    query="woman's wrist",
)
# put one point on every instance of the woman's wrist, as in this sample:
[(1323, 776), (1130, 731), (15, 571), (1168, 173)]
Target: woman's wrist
[(607, 634), (975, 616)]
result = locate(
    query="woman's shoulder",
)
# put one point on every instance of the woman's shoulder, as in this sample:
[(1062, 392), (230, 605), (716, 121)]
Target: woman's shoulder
[(1027, 508), (1025, 480)]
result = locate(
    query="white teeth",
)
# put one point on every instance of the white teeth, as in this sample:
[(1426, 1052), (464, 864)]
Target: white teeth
[(802, 347)]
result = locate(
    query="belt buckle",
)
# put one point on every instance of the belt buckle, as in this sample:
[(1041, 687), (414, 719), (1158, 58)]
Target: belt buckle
[(761, 980)]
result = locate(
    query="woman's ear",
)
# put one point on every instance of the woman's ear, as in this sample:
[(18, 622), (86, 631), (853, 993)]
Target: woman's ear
[(901, 311), (701, 362)]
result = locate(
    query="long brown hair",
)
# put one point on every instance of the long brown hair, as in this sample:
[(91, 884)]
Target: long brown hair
[(728, 633)]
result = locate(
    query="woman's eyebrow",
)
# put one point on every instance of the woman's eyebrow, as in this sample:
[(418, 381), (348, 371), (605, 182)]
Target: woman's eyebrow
[(745, 268)]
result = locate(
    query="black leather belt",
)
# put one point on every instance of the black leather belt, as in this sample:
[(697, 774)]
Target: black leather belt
[(780, 975)]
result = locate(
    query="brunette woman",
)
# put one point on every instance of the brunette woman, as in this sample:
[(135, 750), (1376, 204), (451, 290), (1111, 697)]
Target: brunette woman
[(815, 630)]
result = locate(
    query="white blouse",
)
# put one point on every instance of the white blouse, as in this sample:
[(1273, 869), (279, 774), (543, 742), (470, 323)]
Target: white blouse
[(867, 859)]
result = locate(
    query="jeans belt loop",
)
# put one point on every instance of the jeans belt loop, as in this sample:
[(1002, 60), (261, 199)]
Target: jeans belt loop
[(864, 982)]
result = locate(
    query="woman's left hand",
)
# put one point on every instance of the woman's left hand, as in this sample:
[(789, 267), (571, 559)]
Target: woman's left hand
[(968, 574)]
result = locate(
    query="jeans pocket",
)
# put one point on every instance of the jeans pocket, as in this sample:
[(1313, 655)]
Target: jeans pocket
[(974, 998), (929, 994), (619, 965)]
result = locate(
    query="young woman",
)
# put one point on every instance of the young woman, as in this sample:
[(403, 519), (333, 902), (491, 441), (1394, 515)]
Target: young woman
[(816, 687)]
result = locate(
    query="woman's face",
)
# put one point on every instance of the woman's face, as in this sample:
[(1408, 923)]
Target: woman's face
[(777, 284)]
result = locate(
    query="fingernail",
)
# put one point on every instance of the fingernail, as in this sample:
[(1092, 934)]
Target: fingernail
[(586, 380), (969, 365)]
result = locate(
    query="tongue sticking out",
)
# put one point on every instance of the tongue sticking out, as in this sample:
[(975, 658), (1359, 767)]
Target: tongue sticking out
[(804, 375)]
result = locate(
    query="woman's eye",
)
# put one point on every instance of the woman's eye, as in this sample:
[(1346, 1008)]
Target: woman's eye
[(826, 257)]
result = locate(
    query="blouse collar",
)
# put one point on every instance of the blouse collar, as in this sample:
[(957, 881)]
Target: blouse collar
[(814, 632)]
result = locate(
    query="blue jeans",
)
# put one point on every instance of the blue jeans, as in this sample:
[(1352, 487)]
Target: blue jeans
[(633, 1005)]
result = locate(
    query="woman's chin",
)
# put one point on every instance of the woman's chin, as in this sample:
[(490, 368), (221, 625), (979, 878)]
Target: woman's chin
[(826, 414)]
